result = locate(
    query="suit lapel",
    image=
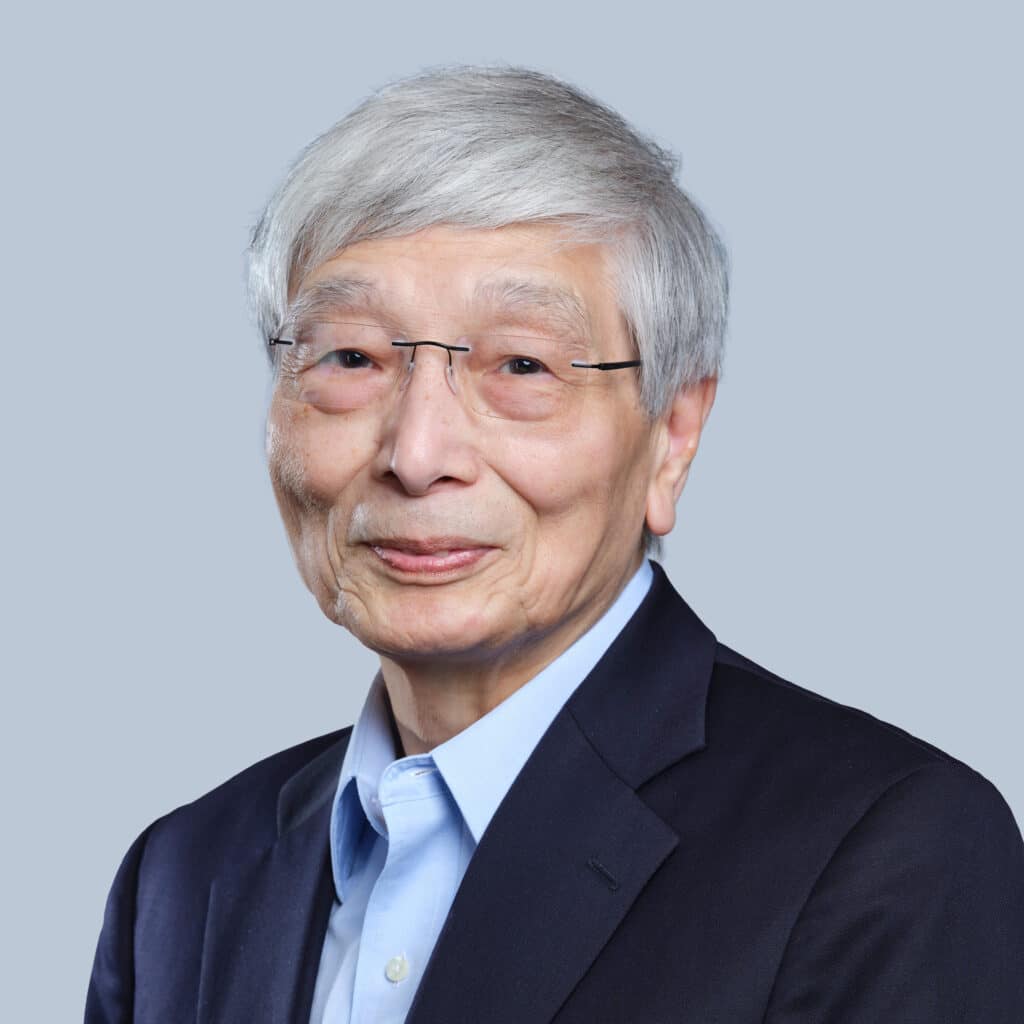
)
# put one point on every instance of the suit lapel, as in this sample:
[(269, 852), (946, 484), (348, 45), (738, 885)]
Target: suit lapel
[(572, 845), (566, 855), (560, 864), (266, 919)]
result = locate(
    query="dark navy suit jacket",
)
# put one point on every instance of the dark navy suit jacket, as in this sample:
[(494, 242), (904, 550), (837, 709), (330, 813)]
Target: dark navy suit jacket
[(693, 841)]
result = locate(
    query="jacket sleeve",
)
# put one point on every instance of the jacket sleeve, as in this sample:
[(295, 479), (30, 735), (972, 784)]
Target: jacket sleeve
[(918, 916), (112, 984)]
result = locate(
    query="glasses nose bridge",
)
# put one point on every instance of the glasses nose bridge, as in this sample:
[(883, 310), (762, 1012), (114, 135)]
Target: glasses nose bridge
[(449, 364)]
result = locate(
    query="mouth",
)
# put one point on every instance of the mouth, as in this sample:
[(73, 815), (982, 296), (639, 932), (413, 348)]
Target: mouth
[(434, 557)]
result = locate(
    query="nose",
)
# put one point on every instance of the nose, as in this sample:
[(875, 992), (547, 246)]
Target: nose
[(427, 436)]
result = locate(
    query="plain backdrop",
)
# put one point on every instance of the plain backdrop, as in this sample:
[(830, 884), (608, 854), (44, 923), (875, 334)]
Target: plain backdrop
[(853, 519)]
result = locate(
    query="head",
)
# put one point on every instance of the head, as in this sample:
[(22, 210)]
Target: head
[(470, 203)]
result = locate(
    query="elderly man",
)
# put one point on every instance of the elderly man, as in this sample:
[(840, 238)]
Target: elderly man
[(495, 324)]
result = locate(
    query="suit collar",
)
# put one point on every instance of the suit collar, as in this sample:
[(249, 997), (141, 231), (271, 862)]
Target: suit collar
[(568, 852), (310, 789), (267, 914), (665, 652), (503, 739), (643, 707), (265, 925), (573, 845), (565, 856)]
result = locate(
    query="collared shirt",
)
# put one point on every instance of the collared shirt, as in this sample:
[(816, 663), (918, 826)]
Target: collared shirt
[(403, 830)]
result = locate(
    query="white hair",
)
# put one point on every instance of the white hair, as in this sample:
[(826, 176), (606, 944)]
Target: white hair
[(485, 147)]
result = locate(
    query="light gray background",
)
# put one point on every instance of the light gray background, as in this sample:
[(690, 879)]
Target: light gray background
[(852, 522)]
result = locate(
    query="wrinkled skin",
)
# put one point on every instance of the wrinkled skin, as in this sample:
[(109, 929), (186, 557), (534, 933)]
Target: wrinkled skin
[(558, 506)]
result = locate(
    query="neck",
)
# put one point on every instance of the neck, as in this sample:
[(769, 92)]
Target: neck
[(435, 699)]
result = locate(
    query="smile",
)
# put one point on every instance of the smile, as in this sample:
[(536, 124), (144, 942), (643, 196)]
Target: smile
[(431, 557)]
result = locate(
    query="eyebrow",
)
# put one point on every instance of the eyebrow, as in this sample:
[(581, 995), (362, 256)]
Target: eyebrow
[(534, 303), (332, 295), (513, 299)]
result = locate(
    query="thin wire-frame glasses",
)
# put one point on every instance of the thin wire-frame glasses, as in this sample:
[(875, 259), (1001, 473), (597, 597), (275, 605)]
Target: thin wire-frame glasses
[(339, 366)]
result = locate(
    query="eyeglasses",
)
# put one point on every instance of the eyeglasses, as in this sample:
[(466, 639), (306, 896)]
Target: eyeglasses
[(337, 366)]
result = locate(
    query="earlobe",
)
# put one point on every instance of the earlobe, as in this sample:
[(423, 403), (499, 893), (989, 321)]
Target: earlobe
[(680, 430)]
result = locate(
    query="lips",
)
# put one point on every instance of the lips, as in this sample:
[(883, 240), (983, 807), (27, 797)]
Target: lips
[(434, 556)]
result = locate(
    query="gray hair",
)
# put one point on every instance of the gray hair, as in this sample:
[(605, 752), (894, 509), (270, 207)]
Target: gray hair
[(485, 147)]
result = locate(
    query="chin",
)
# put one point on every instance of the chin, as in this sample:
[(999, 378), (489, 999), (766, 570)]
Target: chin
[(424, 622), (438, 645)]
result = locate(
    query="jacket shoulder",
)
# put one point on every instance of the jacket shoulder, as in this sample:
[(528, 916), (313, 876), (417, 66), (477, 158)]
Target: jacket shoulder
[(803, 761), (773, 711), (899, 867), (156, 911), (237, 817)]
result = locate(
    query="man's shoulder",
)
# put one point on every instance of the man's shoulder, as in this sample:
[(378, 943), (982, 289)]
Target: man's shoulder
[(787, 711), (239, 816), (802, 749)]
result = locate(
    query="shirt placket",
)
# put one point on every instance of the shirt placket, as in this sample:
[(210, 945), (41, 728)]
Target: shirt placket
[(405, 910)]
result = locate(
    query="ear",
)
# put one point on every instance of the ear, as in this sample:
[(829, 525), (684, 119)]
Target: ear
[(678, 434)]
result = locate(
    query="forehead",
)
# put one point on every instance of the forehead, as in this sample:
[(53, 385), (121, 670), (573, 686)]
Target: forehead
[(536, 266)]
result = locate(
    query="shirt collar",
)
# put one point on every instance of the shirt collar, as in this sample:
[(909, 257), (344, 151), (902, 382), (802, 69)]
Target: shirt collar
[(371, 748), (503, 739)]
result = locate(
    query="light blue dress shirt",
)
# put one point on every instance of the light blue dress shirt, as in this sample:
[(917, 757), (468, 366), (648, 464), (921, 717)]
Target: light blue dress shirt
[(403, 831)]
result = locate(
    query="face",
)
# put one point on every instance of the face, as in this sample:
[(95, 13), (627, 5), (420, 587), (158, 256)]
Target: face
[(429, 529)]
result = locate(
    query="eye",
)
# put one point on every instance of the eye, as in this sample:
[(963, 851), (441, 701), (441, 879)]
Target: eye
[(347, 359), (524, 365)]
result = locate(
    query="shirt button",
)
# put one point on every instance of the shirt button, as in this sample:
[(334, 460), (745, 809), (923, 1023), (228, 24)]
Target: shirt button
[(397, 969)]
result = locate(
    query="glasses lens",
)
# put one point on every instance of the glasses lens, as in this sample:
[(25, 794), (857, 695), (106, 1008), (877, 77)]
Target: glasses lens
[(338, 366), (519, 378)]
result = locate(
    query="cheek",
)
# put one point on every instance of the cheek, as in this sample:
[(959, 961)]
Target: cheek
[(574, 483), (286, 460), (312, 459)]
